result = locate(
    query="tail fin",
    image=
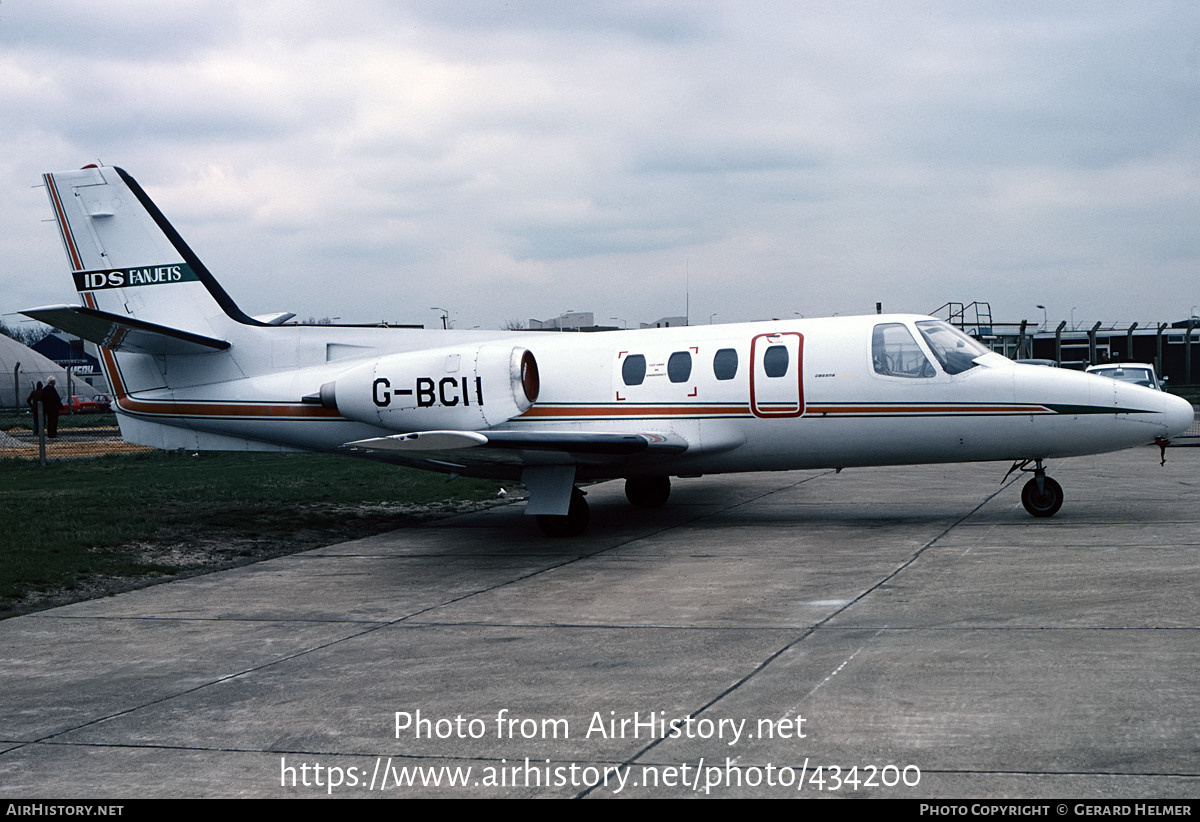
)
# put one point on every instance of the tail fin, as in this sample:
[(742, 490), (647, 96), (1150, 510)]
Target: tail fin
[(128, 261), (161, 318)]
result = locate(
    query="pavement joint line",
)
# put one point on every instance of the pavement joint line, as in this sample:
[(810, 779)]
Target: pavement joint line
[(151, 618), (765, 663)]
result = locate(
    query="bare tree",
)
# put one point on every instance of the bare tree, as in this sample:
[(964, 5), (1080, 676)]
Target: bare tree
[(25, 336)]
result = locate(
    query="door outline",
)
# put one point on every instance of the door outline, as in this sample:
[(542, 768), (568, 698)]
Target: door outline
[(792, 404)]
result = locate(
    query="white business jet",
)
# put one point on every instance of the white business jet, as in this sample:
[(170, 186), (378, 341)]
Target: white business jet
[(188, 369)]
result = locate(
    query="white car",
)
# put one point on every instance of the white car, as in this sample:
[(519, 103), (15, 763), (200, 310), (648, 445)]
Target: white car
[(1134, 372)]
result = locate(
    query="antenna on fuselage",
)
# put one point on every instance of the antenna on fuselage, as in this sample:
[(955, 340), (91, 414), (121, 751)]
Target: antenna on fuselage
[(687, 291)]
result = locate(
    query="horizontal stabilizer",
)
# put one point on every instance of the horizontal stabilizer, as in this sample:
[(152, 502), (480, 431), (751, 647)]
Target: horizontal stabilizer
[(570, 442), (119, 333)]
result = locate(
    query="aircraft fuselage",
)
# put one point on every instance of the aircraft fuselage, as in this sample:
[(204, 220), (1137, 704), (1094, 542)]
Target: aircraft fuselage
[(828, 406)]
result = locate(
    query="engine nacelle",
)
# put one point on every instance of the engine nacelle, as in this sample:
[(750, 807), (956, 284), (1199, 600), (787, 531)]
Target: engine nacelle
[(459, 388)]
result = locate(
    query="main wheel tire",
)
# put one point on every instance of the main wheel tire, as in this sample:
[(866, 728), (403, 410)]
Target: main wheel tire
[(573, 524), (648, 492), (1043, 503)]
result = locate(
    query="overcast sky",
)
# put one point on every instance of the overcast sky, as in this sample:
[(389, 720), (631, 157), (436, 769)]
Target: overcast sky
[(508, 160)]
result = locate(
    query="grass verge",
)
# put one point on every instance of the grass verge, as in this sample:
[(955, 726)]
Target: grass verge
[(73, 522)]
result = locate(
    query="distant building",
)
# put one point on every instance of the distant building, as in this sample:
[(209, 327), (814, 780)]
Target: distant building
[(572, 321), (586, 321), (71, 353), (666, 322), (1172, 348), (21, 368)]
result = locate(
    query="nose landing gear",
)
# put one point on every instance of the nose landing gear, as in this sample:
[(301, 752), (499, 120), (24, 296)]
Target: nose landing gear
[(1041, 496)]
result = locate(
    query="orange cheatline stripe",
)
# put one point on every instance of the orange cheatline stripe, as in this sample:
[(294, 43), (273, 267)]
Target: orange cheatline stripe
[(725, 410), (192, 408), (926, 409), (205, 408)]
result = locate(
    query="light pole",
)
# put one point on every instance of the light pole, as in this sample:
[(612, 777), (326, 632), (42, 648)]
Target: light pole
[(1044, 321), (445, 316)]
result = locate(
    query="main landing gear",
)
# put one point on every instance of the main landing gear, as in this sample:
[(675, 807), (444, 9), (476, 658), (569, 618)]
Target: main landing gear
[(571, 525), (1041, 496), (648, 492), (642, 492)]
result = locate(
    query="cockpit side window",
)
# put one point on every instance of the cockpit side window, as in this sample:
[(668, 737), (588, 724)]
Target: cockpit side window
[(954, 350), (894, 352)]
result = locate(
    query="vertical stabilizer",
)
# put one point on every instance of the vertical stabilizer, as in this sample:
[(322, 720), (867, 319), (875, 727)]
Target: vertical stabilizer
[(126, 259)]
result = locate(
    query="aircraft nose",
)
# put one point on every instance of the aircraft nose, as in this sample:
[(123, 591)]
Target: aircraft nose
[(1180, 415)]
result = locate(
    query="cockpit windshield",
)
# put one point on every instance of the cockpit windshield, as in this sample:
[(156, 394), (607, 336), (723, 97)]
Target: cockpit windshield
[(954, 350)]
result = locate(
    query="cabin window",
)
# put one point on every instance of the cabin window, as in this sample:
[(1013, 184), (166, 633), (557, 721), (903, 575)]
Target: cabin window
[(775, 361), (725, 364), (679, 366), (894, 352), (954, 350), (633, 370)]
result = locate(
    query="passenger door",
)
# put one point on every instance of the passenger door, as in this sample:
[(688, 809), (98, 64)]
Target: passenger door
[(777, 375)]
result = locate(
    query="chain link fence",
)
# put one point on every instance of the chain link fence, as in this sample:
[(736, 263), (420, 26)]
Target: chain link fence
[(76, 435)]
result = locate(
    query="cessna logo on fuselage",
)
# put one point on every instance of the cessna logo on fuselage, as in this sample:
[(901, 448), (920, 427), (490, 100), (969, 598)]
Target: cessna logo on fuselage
[(447, 391), (128, 277)]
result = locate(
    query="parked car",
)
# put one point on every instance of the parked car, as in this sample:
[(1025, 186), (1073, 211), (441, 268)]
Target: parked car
[(1134, 372), (99, 404)]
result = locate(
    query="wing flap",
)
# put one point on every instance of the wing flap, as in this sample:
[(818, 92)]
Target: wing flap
[(119, 333), (420, 442), (496, 443)]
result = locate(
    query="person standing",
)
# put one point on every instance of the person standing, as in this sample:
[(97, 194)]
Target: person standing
[(51, 405), (32, 401)]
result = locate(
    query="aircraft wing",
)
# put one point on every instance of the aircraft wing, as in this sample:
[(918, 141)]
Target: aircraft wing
[(514, 447), (124, 333)]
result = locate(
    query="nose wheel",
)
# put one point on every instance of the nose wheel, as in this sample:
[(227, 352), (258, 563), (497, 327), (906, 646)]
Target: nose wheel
[(1041, 496)]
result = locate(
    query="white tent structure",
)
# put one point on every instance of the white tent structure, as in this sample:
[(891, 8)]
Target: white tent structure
[(20, 370)]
